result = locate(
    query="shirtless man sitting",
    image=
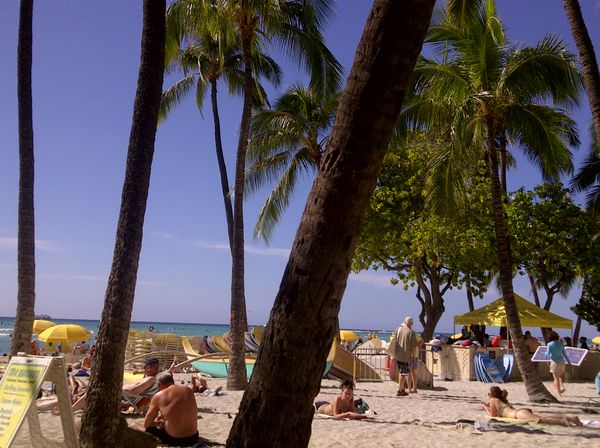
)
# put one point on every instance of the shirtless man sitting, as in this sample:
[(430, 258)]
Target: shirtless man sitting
[(172, 416), (531, 343)]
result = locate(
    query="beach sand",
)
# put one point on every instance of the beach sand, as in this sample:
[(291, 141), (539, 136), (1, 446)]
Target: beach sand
[(427, 419)]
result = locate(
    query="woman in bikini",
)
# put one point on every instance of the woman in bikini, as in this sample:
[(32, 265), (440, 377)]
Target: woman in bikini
[(342, 406), (498, 406)]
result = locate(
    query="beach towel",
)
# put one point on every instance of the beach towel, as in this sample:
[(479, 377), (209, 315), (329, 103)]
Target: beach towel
[(501, 426)]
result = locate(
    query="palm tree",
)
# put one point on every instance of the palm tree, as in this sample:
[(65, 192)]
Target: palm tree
[(588, 178), (101, 418), (288, 373), (204, 61), (481, 93), (26, 243), (286, 142), (297, 27), (587, 56)]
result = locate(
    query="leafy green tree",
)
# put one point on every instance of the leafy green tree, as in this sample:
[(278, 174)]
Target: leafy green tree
[(286, 142), (479, 92), (402, 235), (296, 26), (547, 230), (26, 233)]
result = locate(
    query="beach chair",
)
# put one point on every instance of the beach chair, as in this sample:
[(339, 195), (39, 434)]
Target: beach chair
[(137, 404)]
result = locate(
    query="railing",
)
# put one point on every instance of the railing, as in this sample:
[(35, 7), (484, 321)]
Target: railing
[(375, 359)]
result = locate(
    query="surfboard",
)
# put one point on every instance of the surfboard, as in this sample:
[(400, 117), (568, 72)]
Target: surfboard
[(508, 361), (491, 370), (479, 370)]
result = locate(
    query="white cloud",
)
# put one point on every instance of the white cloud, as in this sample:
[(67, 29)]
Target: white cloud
[(380, 280), (270, 251), (10, 243), (99, 279)]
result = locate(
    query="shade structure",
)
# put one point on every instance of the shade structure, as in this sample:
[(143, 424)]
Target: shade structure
[(494, 314), (65, 333), (40, 325), (596, 340), (348, 336)]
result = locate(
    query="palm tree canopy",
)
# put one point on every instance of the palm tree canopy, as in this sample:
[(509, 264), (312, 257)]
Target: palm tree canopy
[(588, 178), (476, 79), (286, 143), (295, 26)]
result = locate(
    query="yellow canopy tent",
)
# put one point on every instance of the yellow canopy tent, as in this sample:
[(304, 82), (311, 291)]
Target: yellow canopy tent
[(531, 315)]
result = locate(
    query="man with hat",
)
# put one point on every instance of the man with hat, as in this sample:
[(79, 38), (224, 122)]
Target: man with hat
[(145, 388)]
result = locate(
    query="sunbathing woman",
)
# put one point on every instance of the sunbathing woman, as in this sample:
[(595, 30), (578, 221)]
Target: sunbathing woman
[(342, 405), (498, 406)]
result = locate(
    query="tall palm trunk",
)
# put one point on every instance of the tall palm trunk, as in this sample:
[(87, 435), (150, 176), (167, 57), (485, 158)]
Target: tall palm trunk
[(587, 57), (535, 389), (292, 357), (101, 417), (26, 232), (221, 161), (236, 378)]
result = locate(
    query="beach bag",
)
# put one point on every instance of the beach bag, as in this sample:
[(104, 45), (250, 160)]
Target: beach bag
[(361, 406)]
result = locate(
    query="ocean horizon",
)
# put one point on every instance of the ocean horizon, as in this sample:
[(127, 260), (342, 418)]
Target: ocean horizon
[(176, 328)]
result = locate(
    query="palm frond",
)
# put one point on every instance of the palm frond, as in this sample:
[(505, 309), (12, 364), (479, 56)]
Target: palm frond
[(547, 71), (544, 134), (174, 96), (279, 198)]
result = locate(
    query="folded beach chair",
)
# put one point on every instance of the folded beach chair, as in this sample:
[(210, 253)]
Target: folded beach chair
[(137, 404)]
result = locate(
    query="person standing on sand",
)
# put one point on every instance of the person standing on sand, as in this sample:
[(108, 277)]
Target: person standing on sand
[(173, 414), (402, 350), (558, 359)]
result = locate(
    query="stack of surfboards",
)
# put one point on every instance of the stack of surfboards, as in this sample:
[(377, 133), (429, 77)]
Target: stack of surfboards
[(488, 370)]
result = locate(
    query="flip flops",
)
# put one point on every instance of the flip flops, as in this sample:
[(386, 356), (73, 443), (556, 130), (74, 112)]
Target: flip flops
[(401, 393)]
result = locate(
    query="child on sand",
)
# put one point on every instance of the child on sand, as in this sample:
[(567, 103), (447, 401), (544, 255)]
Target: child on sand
[(342, 405), (498, 406)]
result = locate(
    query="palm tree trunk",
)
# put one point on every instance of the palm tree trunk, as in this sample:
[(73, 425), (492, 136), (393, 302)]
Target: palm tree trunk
[(236, 378), (221, 161), (101, 417), (576, 331), (587, 57), (298, 336), (503, 167), (534, 290), (535, 388), (26, 233)]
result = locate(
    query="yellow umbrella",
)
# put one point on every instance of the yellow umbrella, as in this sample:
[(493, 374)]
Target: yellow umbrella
[(348, 336), (40, 325), (65, 333), (596, 340)]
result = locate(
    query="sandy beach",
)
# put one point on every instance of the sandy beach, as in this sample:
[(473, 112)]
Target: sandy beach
[(442, 417)]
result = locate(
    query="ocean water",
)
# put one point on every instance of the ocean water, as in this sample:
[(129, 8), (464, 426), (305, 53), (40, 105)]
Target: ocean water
[(177, 328)]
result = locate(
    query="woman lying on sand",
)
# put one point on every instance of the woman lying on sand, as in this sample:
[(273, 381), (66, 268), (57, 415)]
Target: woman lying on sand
[(498, 406), (342, 405)]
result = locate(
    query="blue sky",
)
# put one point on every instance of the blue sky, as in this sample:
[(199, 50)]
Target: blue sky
[(85, 64)]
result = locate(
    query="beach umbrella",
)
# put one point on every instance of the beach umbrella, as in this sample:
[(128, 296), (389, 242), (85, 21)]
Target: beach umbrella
[(348, 336), (596, 340), (40, 325), (65, 333)]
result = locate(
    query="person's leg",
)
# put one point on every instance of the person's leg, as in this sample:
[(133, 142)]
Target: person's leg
[(550, 419), (598, 383), (556, 383), (413, 381)]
